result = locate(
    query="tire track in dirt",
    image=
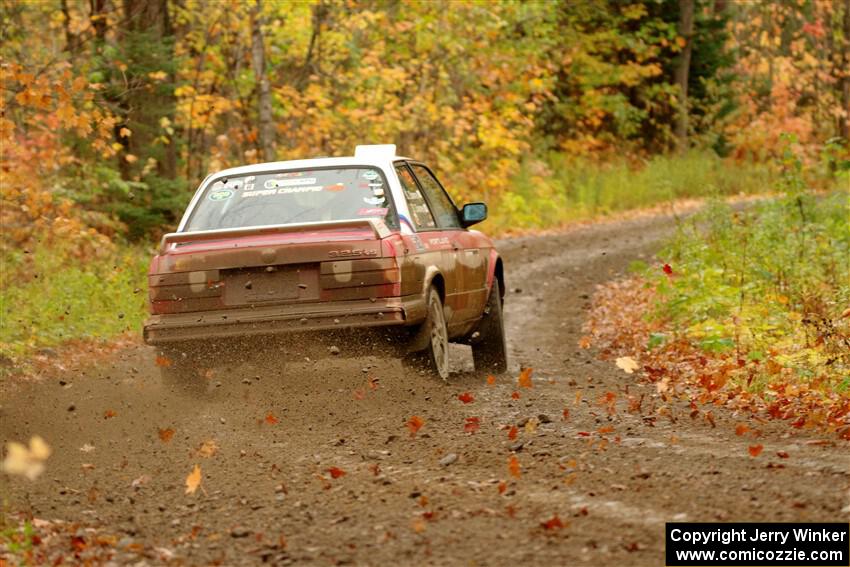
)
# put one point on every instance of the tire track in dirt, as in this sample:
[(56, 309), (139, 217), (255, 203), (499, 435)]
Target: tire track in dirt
[(397, 504)]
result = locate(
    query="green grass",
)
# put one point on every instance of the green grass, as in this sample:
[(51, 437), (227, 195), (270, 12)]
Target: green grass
[(48, 297), (565, 190)]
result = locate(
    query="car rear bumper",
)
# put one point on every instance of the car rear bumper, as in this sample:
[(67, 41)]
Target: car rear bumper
[(280, 319)]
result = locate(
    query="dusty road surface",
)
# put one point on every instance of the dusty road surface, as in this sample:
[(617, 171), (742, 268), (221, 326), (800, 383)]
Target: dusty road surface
[(270, 441)]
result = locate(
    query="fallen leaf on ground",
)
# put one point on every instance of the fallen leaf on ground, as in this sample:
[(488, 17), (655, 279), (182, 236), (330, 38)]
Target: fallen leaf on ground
[(271, 419), (336, 472), (514, 467), (472, 424), (782, 454), (566, 414), (667, 269), (524, 379), (491, 380), (26, 461), (466, 397), (165, 435), (109, 413), (627, 364), (503, 486), (755, 450), (531, 425), (208, 448), (553, 523), (414, 424), (741, 428), (513, 432), (163, 361), (193, 481), (584, 342), (515, 395)]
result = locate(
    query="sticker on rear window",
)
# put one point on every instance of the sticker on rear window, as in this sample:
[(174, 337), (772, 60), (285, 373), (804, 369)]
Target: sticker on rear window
[(220, 195), (372, 212), (335, 187), (370, 174), (273, 183)]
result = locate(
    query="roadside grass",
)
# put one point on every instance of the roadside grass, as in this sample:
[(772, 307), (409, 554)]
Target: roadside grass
[(749, 307), (48, 297), (566, 190)]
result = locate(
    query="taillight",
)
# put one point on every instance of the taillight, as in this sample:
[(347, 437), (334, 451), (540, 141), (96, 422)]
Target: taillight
[(359, 279), (184, 291)]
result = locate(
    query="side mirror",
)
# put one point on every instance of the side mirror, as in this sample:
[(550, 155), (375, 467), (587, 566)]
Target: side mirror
[(473, 213)]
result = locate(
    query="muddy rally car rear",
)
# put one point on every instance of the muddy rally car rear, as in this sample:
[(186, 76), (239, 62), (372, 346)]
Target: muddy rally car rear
[(291, 257)]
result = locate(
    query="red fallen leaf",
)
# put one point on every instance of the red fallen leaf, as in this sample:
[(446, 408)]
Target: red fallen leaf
[(336, 472), (524, 379), (162, 361), (741, 428), (513, 432), (566, 414), (414, 424), (514, 467), (583, 434), (782, 454), (510, 511), (710, 417), (358, 394), (78, 543), (491, 380), (515, 395), (472, 424), (428, 515), (503, 486), (109, 413), (553, 523), (667, 269), (466, 397), (271, 419), (606, 429), (755, 450), (165, 435), (376, 469)]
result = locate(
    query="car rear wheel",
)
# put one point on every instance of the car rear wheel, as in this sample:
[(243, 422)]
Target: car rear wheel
[(489, 351), (435, 357)]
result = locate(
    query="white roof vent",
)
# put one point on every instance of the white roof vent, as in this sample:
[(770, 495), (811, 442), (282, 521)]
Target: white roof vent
[(375, 151)]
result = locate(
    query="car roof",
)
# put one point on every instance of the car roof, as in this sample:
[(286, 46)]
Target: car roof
[(374, 155)]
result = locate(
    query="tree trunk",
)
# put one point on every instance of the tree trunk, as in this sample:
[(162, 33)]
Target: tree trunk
[(149, 45), (844, 121), (686, 31), (264, 99)]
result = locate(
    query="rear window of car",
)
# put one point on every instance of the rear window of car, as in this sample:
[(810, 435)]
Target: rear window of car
[(293, 197)]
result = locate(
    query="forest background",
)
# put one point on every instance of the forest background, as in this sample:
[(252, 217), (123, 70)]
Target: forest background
[(112, 112)]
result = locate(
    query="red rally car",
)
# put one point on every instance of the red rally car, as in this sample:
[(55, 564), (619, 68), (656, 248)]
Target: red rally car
[(371, 242)]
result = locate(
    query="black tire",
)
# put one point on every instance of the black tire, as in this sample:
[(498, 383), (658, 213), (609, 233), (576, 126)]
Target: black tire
[(489, 351), (434, 358), (180, 370)]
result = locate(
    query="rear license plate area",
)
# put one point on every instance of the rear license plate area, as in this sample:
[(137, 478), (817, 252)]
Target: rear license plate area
[(278, 284)]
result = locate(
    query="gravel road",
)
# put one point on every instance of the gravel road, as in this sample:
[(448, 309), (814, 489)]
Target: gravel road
[(272, 441)]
